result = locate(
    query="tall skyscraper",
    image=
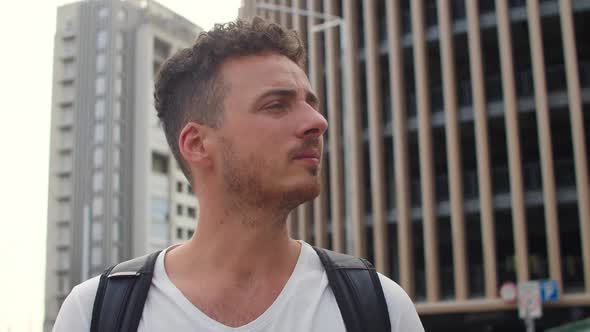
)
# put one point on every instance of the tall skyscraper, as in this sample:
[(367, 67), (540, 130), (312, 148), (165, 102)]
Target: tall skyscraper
[(115, 191), (457, 148)]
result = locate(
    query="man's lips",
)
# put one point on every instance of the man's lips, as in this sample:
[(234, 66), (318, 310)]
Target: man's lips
[(308, 155)]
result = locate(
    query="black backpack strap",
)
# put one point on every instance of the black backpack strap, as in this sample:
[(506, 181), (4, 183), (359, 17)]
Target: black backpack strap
[(358, 291), (121, 295)]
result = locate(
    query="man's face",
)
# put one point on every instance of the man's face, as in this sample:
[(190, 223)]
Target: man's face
[(270, 141)]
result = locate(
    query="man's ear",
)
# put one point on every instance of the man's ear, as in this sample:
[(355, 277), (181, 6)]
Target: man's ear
[(191, 143)]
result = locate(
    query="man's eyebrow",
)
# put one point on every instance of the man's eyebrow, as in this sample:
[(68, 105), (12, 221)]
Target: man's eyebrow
[(277, 93), (310, 97)]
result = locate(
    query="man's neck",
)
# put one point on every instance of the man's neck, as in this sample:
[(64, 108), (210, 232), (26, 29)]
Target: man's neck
[(237, 244)]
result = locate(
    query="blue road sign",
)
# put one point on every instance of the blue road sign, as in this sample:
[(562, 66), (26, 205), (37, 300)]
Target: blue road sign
[(549, 290)]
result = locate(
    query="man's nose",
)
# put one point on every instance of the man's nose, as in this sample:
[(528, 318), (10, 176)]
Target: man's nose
[(313, 123)]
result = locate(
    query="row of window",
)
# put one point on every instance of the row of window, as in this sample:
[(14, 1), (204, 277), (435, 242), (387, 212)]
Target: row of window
[(97, 259), (104, 13), (98, 181), (180, 188), (191, 211), (184, 234), (98, 206)]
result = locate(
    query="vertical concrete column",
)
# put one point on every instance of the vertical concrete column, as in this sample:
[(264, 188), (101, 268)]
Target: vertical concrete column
[(298, 20), (333, 96), (375, 107), (482, 143), (400, 146), (544, 130), (292, 224), (425, 151), (317, 83), (577, 123), (273, 14), (303, 210), (453, 151), (513, 141), (283, 14), (353, 111)]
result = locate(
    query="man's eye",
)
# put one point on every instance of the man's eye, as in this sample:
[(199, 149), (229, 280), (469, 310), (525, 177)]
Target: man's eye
[(277, 106)]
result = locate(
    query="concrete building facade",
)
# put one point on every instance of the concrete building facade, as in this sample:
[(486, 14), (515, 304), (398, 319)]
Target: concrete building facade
[(115, 191), (457, 148)]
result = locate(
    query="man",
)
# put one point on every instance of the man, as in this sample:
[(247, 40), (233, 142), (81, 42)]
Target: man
[(243, 123)]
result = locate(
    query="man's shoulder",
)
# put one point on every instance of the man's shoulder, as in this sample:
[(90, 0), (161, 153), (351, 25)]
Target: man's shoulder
[(402, 312), (76, 311), (86, 291)]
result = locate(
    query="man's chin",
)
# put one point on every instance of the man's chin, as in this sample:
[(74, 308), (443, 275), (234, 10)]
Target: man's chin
[(296, 195)]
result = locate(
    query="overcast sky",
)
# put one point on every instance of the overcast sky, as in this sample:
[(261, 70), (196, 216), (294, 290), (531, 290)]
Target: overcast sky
[(26, 32)]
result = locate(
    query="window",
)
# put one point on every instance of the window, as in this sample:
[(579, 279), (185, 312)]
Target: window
[(65, 210), (69, 25), (118, 86), (117, 132), (97, 231), (191, 212), (161, 48), (68, 92), (98, 157), (116, 209), (159, 208), (99, 109), (190, 189), (179, 210), (179, 233), (118, 63), (117, 110), (97, 181), (116, 181), (64, 284), (190, 233), (69, 70), (67, 137), (101, 62), (122, 15), (179, 187), (116, 231), (96, 256), (99, 133), (97, 206), (159, 163), (65, 161), (100, 86), (160, 231), (102, 39), (64, 236), (103, 13), (69, 48), (63, 260), (67, 115), (119, 41), (115, 254), (116, 157)]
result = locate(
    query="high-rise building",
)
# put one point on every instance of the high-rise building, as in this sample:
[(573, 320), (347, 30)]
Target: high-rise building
[(115, 191), (457, 148)]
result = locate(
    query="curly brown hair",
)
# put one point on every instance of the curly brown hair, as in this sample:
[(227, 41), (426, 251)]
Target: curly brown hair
[(189, 86)]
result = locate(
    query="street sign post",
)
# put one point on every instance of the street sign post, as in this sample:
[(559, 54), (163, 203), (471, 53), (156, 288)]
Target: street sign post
[(529, 303)]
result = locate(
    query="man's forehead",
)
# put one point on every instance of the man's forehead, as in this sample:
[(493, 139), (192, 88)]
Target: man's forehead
[(265, 70)]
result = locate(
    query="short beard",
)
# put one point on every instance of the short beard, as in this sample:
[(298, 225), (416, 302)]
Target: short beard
[(244, 181)]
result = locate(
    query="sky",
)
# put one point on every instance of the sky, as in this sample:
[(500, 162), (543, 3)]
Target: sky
[(27, 30)]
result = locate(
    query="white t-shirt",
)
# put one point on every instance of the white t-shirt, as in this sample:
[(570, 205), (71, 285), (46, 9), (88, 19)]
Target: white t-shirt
[(306, 303)]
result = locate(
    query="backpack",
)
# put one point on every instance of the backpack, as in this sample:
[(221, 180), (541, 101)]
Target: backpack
[(123, 289)]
